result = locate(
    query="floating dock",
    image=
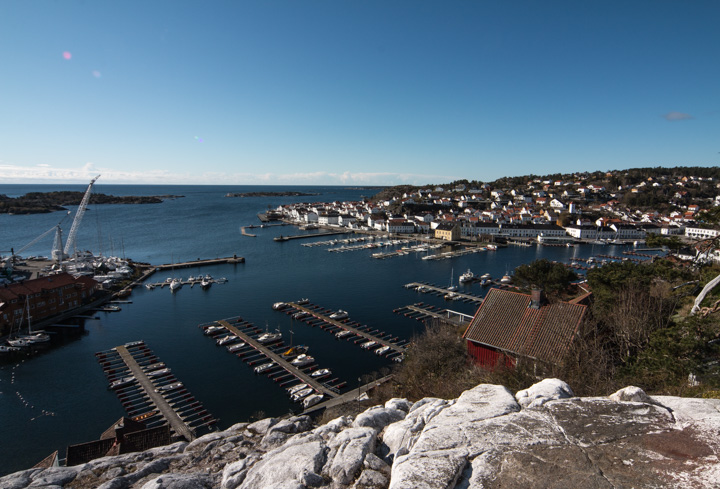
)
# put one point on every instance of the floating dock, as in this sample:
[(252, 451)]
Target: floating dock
[(423, 312), (440, 291), (150, 392), (199, 263), (314, 235), (284, 372), (356, 332)]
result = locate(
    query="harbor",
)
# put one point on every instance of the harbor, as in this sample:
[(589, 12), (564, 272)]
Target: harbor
[(150, 392)]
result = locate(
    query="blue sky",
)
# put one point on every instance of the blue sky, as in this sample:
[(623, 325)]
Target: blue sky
[(353, 92)]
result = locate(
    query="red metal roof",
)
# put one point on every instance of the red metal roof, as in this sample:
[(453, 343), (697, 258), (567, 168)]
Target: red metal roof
[(506, 321)]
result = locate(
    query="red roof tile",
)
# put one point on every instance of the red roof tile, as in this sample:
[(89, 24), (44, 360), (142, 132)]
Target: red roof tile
[(506, 321)]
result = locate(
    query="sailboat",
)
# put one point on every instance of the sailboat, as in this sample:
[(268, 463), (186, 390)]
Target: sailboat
[(36, 338), (452, 287)]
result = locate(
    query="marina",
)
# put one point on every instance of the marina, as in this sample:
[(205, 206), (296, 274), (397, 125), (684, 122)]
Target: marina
[(305, 236), (150, 392), (423, 312), (359, 334), (426, 288), (256, 352), (370, 290)]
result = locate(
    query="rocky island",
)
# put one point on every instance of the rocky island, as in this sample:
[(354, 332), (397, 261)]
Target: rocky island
[(40, 202), (489, 437), (270, 194)]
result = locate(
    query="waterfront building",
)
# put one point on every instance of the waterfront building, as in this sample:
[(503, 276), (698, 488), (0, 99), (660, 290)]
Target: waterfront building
[(43, 297), (449, 231), (701, 233)]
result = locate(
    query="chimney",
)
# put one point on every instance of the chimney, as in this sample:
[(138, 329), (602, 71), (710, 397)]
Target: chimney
[(537, 298)]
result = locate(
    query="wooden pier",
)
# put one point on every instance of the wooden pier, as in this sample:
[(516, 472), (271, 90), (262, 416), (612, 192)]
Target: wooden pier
[(291, 369), (314, 235), (160, 399), (395, 347), (199, 263), (422, 312), (444, 291)]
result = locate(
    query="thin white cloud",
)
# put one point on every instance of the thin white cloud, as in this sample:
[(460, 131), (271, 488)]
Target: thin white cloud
[(677, 116), (47, 174)]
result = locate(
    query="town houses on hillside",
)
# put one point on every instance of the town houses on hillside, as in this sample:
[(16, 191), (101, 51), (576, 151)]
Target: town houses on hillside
[(580, 206)]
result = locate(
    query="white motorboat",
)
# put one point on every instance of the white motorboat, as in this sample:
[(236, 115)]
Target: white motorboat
[(279, 306), (302, 360), (303, 301), (302, 393), (310, 401), (491, 247), (300, 315), (268, 338), (265, 366), (296, 388), (507, 279), (150, 286), (339, 315), (159, 373), (382, 350), (169, 387), (205, 283), (467, 277), (451, 296), (19, 343), (343, 333), (121, 382), (321, 372), (213, 330), (237, 347), (226, 340)]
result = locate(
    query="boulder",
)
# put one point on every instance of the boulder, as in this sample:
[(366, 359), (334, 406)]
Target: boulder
[(538, 394), (179, 481), (400, 437), (348, 451), (401, 404), (282, 430), (631, 394), (287, 466), (378, 418)]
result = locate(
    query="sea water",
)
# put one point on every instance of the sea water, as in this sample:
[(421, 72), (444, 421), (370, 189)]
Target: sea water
[(59, 397)]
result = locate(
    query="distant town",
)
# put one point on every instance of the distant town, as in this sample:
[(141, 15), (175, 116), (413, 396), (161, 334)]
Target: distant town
[(619, 206)]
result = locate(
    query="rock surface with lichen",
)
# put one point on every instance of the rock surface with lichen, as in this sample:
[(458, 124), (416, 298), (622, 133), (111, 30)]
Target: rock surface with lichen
[(487, 438)]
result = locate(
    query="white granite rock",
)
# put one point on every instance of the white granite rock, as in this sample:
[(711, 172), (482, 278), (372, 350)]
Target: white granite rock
[(538, 394), (233, 474), (347, 453), (179, 481), (261, 427), (630, 394), (400, 437), (287, 466), (282, 430), (397, 403), (428, 470), (378, 417), (54, 476)]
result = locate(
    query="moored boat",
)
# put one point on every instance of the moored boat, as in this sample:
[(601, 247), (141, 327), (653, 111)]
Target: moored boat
[(467, 277), (265, 366), (311, 400), (322, 372), (302, 393), (268, 338), (339, 315), (302, 360)]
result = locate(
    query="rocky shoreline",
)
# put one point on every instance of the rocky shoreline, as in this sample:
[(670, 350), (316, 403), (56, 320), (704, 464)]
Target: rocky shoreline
[(487, 438), (43, 202), (270, 194)]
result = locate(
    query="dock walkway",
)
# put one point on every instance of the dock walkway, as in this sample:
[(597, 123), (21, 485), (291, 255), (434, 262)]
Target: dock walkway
[(198, 263), (176, 423), (292, 369), (393, 346), (349, 396), (314, 235), (443, 291)]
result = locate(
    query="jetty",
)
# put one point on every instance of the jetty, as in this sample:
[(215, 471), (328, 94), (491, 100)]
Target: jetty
[(245, 233), (149, 392), (199, 263), (423, 312), (356, 331), (314, 235), (442, 291)]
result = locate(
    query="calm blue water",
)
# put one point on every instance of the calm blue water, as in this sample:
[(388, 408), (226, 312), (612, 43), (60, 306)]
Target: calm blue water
[(66, 380)]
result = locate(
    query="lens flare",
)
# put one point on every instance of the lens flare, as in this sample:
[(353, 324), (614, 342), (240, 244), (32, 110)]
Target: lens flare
[(67, 55), (96, 74)]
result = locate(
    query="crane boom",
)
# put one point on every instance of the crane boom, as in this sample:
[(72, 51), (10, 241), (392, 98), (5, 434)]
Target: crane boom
[(70, 243), (56, 226)]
